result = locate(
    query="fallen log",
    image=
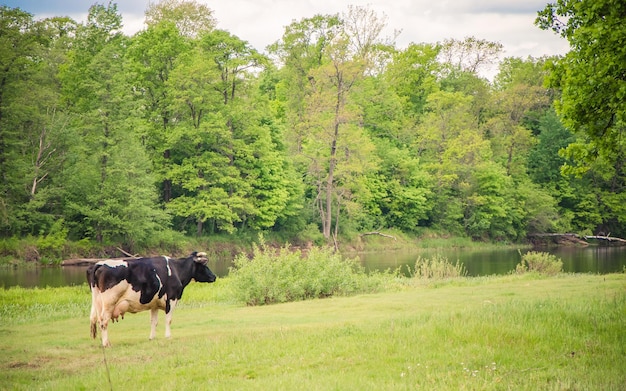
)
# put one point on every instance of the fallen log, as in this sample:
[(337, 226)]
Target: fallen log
[(378, 233), (566, 239), (575, 239), (126, 253), (607, 238), (89, 261)]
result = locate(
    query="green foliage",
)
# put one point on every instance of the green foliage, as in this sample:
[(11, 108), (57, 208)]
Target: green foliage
[(277, 276), (490, 209), (51, 245), (590, 75), (190, 17), (412, 74), (437, 268), (544, 159), (540, 210), (539, 262), (403, 194), (593, 89), (185, 126)]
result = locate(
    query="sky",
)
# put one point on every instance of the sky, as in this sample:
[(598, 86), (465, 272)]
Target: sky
[(262, 22)]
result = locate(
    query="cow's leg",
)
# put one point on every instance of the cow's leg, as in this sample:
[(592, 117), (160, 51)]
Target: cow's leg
[(104, 316), (168, 319), (104, 323), (154, 320)]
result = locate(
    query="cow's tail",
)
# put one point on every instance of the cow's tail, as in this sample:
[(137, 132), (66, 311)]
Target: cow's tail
[(93, 316), (94, 330), (91, 271)]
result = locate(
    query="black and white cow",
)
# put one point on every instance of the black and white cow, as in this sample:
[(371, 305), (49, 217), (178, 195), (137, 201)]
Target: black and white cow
[(141, 284)]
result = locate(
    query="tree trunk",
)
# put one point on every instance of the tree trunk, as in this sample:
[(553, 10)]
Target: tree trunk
[(167, 183), (40, 161), (331, 178), (332, 161), (199, 226), (337, 213)]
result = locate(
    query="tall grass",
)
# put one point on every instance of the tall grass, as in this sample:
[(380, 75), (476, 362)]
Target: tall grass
[(437, 268)]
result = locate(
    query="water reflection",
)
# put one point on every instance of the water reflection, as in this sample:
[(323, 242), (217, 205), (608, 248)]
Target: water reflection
[(599, 260), (42, 276), (477, 262)]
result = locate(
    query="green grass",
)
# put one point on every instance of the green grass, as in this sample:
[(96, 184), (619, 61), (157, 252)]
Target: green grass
[(519, 332)]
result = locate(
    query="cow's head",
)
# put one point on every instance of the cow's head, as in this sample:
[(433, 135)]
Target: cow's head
[(202, 273)]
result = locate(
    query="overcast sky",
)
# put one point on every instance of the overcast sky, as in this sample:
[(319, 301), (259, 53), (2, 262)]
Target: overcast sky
[(262, 22)]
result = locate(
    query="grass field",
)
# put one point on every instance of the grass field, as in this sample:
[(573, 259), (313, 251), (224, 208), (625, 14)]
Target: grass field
[(516, 332)]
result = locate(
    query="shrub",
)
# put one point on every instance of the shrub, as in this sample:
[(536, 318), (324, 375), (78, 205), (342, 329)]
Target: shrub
[(51, 245), (540, 262), (437, 268), (277, 276)]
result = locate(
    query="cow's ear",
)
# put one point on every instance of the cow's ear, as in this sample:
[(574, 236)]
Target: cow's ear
[(201, 257)]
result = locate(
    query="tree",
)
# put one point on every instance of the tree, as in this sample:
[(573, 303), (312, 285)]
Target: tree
[(364, 28), (191, 18), (32, 122), (469, 55), (152, 54), (110, 194), (515, 70), (592, 82), (489, 210), (324, 70), (544, 161), (413, 73), (17, 42), (300, 50), (406, 194), (519, 99), (225, 163), (331, 115), (591, 75), (449, 146)]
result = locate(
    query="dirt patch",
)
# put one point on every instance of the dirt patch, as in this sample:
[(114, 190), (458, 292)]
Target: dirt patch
[(21, 364)]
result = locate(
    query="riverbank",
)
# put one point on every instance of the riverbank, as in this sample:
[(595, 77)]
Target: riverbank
[(489, 333), (31, 251)]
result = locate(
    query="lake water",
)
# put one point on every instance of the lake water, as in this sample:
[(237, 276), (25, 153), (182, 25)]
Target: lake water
[(597, 260)]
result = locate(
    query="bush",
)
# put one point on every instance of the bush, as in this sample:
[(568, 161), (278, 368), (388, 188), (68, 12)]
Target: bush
[(437, 268), (51, 245), (277, 276), (540, 262)]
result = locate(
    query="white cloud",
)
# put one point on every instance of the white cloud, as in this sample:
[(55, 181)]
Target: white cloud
[(262, 22), (510, 23)]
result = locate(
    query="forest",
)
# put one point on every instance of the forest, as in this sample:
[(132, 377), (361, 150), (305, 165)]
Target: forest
[(331, 132)]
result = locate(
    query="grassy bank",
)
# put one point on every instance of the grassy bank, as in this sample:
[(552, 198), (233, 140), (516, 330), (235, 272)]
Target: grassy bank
[(522, 332)]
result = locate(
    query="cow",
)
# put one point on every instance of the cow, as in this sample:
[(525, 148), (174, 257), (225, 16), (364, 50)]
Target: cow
[(141, 284)]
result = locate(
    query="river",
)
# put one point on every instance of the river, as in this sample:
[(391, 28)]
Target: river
[(592, 259)]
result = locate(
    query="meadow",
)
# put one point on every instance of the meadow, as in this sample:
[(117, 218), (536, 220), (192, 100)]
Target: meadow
[(515, 332)]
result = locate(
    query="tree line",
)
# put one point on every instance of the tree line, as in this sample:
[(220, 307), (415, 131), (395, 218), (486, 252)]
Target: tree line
[(334, 130)]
